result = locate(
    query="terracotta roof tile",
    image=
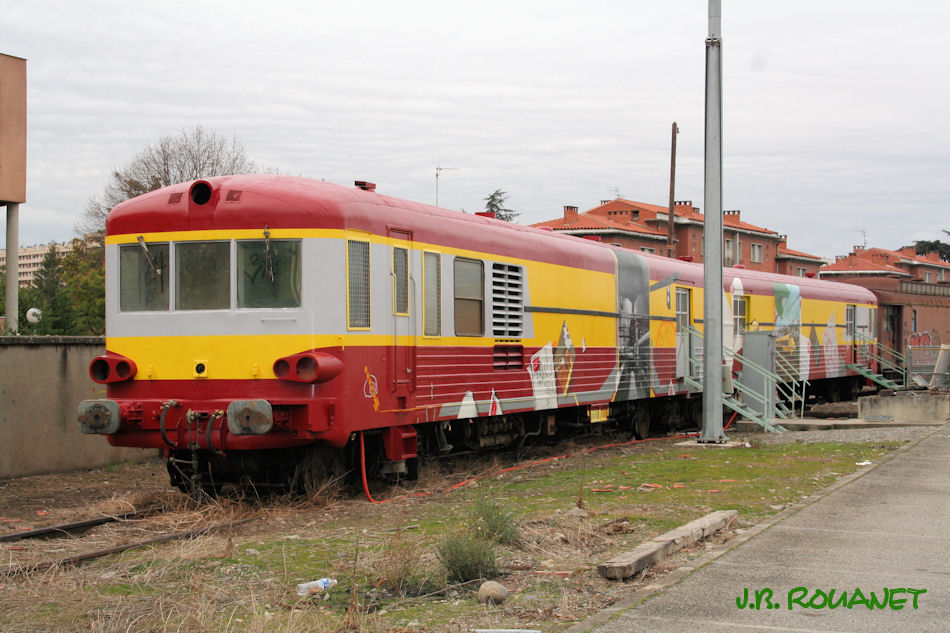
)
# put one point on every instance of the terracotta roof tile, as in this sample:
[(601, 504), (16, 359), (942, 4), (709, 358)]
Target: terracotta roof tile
[(589, 222), (784, 250)]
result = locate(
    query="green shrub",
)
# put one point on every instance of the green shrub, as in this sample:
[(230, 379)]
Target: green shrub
[(494, 523), (466, 557)]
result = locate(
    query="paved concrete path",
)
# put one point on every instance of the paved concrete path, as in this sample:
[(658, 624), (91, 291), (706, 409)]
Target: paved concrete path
[(889, 527)]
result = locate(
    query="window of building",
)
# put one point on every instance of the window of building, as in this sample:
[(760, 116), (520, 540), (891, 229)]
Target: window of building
[(268, 273), (143, 277), (756, 255), (357, 284), (928, 277), (202, 275), (647, 249), (401, 281), (469, 297), (800, 271), (432, 294), (727, 258)]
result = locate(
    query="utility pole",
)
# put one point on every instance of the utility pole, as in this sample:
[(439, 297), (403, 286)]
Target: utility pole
[(671, 237), (439, 170), (712, 246)]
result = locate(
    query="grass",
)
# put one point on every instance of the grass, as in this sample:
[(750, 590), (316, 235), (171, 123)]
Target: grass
[(246, 581)]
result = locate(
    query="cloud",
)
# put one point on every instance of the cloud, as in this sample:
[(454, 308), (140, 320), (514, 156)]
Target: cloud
[(832, 117)]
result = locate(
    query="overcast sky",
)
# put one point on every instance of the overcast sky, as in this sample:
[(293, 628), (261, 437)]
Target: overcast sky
[(835, 113)]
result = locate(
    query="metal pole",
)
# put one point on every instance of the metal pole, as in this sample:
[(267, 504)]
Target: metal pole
[(439, 170), (671, 239), (13, 262), (712, 246)]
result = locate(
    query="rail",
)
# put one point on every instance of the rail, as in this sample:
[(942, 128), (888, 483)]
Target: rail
[(771, 379), (794, 387), (865, 350), (922, 365)]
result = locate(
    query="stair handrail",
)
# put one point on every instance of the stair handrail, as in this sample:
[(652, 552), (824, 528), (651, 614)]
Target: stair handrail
[(773, 381), (899, 364)]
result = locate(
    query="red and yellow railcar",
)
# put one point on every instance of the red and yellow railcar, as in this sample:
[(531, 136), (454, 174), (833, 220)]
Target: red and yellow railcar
[(260, 325)]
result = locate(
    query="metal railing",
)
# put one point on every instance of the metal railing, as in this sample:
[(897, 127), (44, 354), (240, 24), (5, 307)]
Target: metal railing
[(898, 364), (773, 383), (921, 365)]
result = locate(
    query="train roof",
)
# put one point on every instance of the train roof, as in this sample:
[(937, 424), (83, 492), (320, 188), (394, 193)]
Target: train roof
[(287, 202)]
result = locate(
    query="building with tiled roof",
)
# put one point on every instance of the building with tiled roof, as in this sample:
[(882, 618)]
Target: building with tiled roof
[(879, 262), (646, 227), (791, 262), (628, 234)]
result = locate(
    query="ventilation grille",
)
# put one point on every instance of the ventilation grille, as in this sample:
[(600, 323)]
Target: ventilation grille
[(507, 294), (358, 284)]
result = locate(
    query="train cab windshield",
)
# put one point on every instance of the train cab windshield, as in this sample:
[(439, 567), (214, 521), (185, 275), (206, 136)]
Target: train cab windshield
[(265, 274)]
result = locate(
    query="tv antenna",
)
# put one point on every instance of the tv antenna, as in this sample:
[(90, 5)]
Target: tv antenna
[(439, 170), (864, 238)]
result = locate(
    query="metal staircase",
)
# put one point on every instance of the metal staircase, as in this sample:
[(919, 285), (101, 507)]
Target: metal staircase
[(744, 393), (896, 367)]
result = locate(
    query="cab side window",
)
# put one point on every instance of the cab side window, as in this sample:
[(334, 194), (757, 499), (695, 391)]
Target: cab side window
[(469, 297)]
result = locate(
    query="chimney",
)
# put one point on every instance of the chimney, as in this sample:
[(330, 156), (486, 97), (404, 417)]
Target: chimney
[(734, 212), (570, 214)]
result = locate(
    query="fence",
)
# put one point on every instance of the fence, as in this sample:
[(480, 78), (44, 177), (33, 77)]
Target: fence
[(925, 366)]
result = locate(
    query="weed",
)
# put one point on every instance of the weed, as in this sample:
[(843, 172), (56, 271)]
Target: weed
[(494, 523), (401, 568), (466, 558)]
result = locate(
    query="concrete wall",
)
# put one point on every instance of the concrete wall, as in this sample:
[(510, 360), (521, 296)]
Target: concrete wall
[(909, 406), (42, 380)]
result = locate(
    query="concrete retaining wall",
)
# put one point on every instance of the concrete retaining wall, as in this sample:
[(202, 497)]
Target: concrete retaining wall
[(908, 406), (42, 380)]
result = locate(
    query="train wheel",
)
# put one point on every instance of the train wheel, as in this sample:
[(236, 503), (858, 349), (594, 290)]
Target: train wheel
[(320, 473), (641, 424)]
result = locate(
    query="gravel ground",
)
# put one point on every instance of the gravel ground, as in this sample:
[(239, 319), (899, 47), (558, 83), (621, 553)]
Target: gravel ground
[(879, 434)]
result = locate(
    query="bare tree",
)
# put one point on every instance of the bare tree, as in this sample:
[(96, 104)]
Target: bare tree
[(190, 155)]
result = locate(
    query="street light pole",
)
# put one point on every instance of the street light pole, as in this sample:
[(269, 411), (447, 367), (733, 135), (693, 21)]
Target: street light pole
[(712, 245)]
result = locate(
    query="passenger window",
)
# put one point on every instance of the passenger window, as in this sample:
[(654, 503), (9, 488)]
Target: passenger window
[(268, 274), (143, 277), (401, 281), (202, 275), (432, 277), (469, 297), (357, 284)]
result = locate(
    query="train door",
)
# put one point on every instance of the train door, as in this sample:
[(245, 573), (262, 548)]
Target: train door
[(850, 332), (684, 340), (402, 356), (892, 318)]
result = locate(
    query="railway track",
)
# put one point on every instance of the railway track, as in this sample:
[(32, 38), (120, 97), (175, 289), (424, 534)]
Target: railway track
[(64, 530), (70, 529)]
